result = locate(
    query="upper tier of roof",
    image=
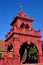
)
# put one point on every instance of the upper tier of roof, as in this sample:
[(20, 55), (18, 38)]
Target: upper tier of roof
[(21, 15)]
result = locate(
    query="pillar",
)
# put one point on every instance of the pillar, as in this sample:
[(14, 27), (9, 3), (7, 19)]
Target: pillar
[(39, 55), (16, 53), (39, 51)]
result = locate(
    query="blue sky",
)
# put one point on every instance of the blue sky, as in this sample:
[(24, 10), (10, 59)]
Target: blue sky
[(9, 8)]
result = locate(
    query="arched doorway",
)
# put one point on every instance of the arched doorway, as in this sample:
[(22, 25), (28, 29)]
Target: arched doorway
[(28, 53)]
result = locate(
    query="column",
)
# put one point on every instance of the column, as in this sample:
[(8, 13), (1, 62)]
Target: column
[(39, 52), (40, 58), (16, 53)]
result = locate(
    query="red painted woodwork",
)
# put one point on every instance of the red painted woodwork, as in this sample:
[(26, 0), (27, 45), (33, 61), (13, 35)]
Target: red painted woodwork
[(18, 35)]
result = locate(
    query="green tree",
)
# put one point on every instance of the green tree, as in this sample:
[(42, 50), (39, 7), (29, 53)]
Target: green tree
[(33, 54), (0, 54)]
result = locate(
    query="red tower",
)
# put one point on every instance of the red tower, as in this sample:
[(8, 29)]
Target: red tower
[(21, 33)]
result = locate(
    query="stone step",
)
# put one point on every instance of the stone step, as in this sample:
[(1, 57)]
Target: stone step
[(33, 64)]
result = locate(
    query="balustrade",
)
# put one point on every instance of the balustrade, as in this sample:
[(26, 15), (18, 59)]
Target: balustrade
[(27, 32)]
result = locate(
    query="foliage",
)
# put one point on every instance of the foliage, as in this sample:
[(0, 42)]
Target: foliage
[(33, 54), (0, 54)]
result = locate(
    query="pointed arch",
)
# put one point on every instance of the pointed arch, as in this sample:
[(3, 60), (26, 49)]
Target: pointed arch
[(10, 47), (23, 51)]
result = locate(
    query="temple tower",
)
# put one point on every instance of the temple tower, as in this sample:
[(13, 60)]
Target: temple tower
[(23, 35)]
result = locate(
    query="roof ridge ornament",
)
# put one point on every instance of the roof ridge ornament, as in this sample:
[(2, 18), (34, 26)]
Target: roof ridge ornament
[(21, 11)]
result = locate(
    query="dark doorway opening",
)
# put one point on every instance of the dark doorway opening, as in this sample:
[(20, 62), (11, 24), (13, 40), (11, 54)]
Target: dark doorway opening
[(28, 53), (23, 52)]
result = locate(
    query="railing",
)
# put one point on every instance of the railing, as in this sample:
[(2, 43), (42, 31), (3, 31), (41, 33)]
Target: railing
[(37, 33), (8, 61), (2, 62), (26, 31), (30, 32)]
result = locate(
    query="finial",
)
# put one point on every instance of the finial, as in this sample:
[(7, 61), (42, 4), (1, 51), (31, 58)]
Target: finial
[(21, 9)]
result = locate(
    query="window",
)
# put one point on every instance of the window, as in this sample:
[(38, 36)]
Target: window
[(27, 26), (22, 25)]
